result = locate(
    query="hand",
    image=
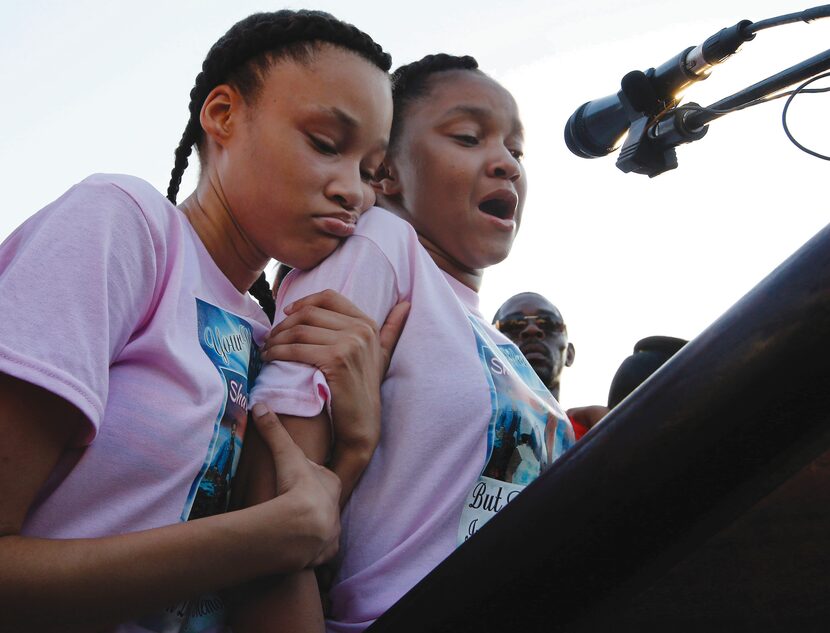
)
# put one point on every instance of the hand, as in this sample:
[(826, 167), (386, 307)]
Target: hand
[(588, 416), (314, 490), (327, 331)]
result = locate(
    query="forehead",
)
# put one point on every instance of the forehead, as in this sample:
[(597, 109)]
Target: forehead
[(528, 305), (465, 93), (333, 79)]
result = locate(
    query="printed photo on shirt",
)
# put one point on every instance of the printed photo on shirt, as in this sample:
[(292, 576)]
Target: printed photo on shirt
[(227, 340), (527, 431)]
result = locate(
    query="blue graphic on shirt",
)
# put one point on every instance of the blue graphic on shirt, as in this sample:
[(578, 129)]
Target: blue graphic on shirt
[(227, 340), (527, 431), (524, 414)]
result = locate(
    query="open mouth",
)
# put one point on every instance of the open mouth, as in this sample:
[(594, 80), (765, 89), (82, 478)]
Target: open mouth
[(499, 204)]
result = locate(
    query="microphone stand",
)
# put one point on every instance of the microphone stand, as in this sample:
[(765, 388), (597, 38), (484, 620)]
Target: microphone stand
[(650, 146)]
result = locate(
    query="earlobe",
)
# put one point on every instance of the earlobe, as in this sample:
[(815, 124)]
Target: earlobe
[(218, 112)]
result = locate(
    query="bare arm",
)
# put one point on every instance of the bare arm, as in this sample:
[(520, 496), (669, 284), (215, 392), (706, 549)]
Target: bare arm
[(290, 602), (327, 331), (50, 584)]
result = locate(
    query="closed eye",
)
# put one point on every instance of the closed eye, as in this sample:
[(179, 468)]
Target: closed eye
[(466, 139), (323, 146)]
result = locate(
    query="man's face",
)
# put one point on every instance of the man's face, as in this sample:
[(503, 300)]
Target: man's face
[(536, 327)]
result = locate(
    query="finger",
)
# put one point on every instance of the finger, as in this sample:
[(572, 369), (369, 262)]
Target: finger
[(328, 299), (306, 334), (288, 457), (392, 328), (321, 317), (306, 353)]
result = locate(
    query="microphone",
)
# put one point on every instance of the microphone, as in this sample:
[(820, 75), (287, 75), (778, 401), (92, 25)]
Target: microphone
[(597, 127)]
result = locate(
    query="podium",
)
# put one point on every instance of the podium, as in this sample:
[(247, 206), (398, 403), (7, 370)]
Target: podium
[(701, 502)]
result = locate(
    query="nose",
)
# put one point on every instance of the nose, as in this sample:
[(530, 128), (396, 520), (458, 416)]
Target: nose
[(504, 165), (347, 189), (532, 330)]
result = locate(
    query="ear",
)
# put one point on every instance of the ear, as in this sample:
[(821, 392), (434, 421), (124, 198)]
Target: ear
[(386, 182), (218, 113), (570, 355)]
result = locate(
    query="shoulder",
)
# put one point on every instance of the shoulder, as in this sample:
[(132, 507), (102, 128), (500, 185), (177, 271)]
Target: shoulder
[(122, 206), (128, 193), (384, 227)]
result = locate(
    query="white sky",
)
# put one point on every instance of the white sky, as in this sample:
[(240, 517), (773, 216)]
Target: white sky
[(95, 85)]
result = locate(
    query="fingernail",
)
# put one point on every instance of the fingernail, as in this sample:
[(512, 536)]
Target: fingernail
[(259, 410)]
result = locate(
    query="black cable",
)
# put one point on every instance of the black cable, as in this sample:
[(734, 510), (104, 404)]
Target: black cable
[(807, 15), (784, 116)]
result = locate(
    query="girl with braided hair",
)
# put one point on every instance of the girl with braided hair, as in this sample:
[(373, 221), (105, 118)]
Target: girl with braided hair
[(125, 371), (466, 422)]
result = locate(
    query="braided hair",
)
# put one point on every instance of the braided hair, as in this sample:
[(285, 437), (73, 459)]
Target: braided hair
[(241, 58), (411, 81)]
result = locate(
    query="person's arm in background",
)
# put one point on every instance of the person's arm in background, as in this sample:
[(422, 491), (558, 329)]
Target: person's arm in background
[(586, 417)]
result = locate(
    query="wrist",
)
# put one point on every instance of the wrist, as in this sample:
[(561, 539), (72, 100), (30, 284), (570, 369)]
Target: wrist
[(348, 462)]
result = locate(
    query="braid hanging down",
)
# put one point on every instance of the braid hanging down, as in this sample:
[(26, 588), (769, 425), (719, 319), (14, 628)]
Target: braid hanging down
[(411, 81), (243, 54)]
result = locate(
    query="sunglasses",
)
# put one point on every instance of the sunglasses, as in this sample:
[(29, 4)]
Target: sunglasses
[(516, 325)]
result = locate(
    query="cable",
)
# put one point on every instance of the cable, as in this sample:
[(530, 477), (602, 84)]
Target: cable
[(807, 15), (784, 116)]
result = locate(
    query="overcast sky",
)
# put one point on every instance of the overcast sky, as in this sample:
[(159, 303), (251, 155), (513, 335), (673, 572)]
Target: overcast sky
[(102, 86)]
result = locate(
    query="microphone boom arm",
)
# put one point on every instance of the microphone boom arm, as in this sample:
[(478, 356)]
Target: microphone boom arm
[(650, 146)]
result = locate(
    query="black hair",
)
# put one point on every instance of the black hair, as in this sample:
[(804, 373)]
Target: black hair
[(649, 355), (243, 55), (411, 81)]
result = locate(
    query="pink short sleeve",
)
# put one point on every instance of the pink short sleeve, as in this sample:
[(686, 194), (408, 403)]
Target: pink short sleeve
[(361, 271), (75, 279)]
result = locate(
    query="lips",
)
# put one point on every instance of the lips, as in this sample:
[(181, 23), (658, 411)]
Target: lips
[(535, 353), (500, 204), (338, 224)]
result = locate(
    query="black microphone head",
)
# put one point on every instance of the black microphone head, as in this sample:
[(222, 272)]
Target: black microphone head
[(597, 127)]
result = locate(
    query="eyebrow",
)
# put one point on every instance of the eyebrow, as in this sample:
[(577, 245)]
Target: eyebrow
[(346, 119), (478, 112)]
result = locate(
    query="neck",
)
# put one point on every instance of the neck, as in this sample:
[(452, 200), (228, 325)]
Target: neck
[(470, 277), (554, 391), (210, 215)]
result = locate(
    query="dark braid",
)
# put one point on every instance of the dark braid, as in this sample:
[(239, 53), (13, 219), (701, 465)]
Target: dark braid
[(412, 81), (261, 291), (243, 55)]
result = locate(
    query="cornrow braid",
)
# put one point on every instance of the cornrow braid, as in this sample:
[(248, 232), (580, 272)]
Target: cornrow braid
[(243, 55), (411, 81), (261, 291)]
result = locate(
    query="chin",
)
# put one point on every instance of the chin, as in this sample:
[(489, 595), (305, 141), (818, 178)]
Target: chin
[(309, 257)]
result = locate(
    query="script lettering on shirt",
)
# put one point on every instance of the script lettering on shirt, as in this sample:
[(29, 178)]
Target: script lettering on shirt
[(499, 368), (491, 503), (226, 344), (238, 394)]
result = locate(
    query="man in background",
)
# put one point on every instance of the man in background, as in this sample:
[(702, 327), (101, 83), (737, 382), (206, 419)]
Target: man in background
[(536, 326)]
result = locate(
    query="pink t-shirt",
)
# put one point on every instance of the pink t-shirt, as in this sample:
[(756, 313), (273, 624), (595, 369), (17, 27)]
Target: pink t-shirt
[(111, 301), (464, 418)]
